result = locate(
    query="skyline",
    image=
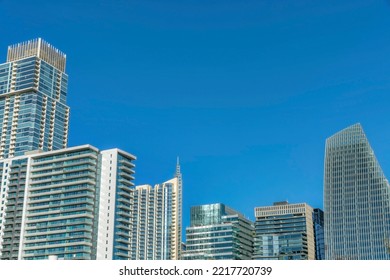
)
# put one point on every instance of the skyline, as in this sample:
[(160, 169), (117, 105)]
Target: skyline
[(266, 130)]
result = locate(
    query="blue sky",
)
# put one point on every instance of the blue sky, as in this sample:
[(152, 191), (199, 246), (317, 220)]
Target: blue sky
[(245, 92)]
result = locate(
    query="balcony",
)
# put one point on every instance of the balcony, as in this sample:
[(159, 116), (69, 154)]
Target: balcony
[(126, 169)]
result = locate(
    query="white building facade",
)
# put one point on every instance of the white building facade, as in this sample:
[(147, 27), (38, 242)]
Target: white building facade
[(156, 232), (72, 203)]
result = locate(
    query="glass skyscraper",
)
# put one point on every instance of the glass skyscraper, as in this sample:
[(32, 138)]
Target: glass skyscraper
[(356, 199), (218, 232), (55, 202), (284, 232), (157, 220), (33, 89)]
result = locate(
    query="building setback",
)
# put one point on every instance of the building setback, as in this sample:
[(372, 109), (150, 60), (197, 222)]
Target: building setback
[(356, 199), (33, 90), (218, 232), (66, 203), (157, 220), (284, 232), (72, 203)]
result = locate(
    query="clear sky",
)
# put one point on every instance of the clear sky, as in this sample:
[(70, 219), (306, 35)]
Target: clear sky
[(245, 92)]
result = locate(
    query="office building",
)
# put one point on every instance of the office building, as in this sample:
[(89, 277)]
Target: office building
[(72, 203), (356, 199), (33, 90), (157, 220), (284, 232), (319, 237), (218, 232)]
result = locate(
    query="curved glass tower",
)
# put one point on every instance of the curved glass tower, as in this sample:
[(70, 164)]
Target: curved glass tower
[(356, 199)]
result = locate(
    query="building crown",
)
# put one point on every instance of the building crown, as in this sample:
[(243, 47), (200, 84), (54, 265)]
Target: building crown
[(40, 49)]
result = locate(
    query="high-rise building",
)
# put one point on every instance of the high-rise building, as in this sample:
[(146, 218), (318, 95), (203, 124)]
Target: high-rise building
[(115, 181), (356, 199), (55, 202), (284, 232), (33, 89), (157, 220), (218, 232), (318, 222), (72, 203)]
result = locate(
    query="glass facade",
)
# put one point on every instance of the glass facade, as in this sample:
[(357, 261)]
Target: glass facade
[(284, 232), (33, 89), (15, 172), (318, 221), (123, 199), (356, 199), (218, 232), (69, 203), (60, 208)]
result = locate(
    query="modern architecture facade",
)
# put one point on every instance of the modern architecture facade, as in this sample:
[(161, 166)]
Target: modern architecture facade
[(72, 203), (57, 202), (284, 231), (33, 90), (356, 199), (319, 235), (115, 180), (217, 232), (157, 220)]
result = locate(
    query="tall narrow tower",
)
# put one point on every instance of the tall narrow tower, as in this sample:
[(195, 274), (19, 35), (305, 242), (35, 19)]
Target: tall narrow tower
[(156, 228), (356, 199), (33, 89), (179, 206)]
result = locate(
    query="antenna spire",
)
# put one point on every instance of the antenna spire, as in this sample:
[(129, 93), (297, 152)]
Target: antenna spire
[(178, 173)]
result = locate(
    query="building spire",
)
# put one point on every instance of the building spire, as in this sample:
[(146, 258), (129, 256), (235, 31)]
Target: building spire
[(178, 173)]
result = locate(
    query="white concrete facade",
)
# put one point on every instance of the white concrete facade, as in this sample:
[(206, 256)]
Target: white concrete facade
[(72, 203), (156, 232)]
